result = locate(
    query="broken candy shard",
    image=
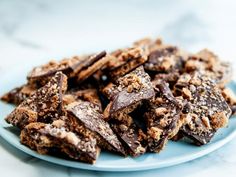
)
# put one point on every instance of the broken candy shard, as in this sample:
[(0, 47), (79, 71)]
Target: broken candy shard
[(230, 98), (132, 88), (90, 95), (163, 117), (126, 60), (18, 95), (89, 70), (45, 138), (165, 59), (208, 63), (46, 100), (208, 111), (87, 114), (130, 134), (70, 67)]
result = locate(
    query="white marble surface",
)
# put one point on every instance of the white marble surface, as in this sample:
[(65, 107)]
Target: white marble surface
[(42, 30)]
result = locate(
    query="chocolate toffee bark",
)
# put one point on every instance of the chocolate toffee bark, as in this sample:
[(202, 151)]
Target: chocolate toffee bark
[(129, 92), (90, 95), (43, 105), (130, 101), (164, 59), (18, 95), (46, 138), (163, 117), (230, 98), (126, 60), (94, 67), (131, 136), (40, 75), (110, 90), (208, 110), (147, 42), (170, 78), (125, 96), (89, 119), (87, 62), (128, 132), (72, 67), (207, 62)]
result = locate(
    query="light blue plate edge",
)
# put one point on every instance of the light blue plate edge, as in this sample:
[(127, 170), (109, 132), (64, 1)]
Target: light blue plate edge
[(172, 161), (137, 167)]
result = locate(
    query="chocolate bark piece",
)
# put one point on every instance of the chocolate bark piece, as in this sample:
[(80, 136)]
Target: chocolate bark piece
[(110, 90), (208, 110), (94, 67), (130, 91), (163, 117), (89, 119), (71, 67), (147, 42), (177, 137), (168, 77), (125, 61), (171, 78), (90, 95), (230, 98), (42, 105), (131, 136), (151, 44), (207, 62), (40, 75), (164, 59), (88, 61), (18, 95), (45, 138)]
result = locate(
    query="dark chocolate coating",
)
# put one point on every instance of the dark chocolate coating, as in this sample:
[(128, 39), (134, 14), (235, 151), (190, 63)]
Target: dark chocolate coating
[(43, 105), (131, 137), (45, 138), (164, 60), (125, 98), (88, 114), (163, 118), (208, 110)]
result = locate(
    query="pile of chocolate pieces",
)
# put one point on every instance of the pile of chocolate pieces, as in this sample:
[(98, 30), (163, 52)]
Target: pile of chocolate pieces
[(130, 101)]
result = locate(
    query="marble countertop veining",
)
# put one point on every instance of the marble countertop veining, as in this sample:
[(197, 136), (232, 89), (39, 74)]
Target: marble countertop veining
[(34, 31)]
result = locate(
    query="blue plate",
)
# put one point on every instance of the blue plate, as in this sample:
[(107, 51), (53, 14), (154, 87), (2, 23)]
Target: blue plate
[(174, 153)]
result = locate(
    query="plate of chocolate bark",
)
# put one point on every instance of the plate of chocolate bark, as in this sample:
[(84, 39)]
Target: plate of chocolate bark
[(150, 105)]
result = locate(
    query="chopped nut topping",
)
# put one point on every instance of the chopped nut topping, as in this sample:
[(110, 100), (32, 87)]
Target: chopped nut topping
[(206, 122), (219, 120), (160, 111), (187, 93), (58, 123), (195, 81), (229, 96), (166, 64), (185, 78), (155, 132)]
